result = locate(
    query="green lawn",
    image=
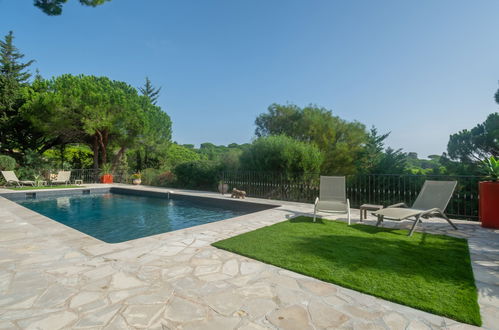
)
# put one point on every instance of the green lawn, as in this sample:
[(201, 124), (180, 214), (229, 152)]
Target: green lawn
[(429, 272), (45, 187)]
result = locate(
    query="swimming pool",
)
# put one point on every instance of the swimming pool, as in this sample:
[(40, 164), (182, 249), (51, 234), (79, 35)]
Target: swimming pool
[(118, 217)]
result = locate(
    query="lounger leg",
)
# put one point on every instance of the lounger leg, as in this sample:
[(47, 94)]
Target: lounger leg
[(448, 220), (348, 211), (414, 226), (380, 220)]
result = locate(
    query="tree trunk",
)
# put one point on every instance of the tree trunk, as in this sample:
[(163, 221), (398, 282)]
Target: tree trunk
[(62, 149), (95, 149), (105, 136), (138, 161), (47, 145), (119, 155), (102, 139)]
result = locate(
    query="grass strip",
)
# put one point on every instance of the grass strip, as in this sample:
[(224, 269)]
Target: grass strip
[(429, 272), (45, 187)]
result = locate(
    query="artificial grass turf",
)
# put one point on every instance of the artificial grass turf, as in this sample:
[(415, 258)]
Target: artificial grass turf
[(45, 187), (428, 272)]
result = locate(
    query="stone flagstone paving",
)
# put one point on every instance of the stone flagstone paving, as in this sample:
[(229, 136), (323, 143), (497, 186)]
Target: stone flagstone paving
[(54, 277)]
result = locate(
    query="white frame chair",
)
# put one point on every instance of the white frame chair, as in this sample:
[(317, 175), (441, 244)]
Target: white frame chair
[(63, 177), (332, 196)]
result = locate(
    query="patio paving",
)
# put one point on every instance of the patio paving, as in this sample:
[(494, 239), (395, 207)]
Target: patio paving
[(54, 277)]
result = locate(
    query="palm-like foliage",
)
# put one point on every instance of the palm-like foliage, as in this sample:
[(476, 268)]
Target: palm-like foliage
[(106, 168), (491, 168)]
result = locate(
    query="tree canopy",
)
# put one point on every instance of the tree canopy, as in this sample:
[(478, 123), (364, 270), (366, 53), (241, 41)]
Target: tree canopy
[(177, 154), (339, 141), (150, 91), (101, 112), (16, 133), (54, 7), (476, 144), (11, 66), (375, 159)]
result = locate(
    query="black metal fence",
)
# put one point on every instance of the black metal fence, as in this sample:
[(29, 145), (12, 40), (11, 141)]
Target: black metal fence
[(86, 175), (93, 175), (382, 189)]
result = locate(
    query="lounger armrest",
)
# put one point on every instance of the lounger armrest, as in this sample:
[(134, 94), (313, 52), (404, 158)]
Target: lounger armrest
[(398, 205)]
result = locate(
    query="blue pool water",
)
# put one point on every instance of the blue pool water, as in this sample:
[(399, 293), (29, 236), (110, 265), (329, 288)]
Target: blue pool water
[(115, 218)]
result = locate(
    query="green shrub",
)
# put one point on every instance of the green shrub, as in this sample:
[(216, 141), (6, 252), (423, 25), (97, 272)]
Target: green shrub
[(75, 156), (34, 165), (282, 154), (7, 163), (155, 177), (166, 179), (150, 176), (177, 154), (231, 160), (202, 174)]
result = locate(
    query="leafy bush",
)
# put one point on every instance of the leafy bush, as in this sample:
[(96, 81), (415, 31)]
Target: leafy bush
[(339, 140), (231, 160), (150, 176), (282, 154), (155, 177), (202, 174), (177, 154), (34, 166), (75, 156), (7, 163), (166, 179)]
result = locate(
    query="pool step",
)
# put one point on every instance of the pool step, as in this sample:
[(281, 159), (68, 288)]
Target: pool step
[(31, 195)]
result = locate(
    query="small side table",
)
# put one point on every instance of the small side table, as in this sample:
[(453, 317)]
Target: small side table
[(368, 207), (78, 182)]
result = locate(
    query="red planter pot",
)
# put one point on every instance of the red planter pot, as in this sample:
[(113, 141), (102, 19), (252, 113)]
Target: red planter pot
[(488, 210), (106, 178)]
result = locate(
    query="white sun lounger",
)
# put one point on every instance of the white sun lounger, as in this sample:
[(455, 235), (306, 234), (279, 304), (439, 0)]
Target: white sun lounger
[(432, 200), (11, 178)]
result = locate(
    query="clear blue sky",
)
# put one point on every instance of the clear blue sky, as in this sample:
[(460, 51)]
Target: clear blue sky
[(420, 69)]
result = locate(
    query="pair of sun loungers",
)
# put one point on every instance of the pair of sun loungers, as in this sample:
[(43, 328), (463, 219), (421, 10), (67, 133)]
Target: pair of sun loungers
[(431, 201), (63, 177)]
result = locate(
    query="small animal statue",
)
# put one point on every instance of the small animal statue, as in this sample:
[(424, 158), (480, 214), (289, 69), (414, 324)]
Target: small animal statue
[(238, 193)]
